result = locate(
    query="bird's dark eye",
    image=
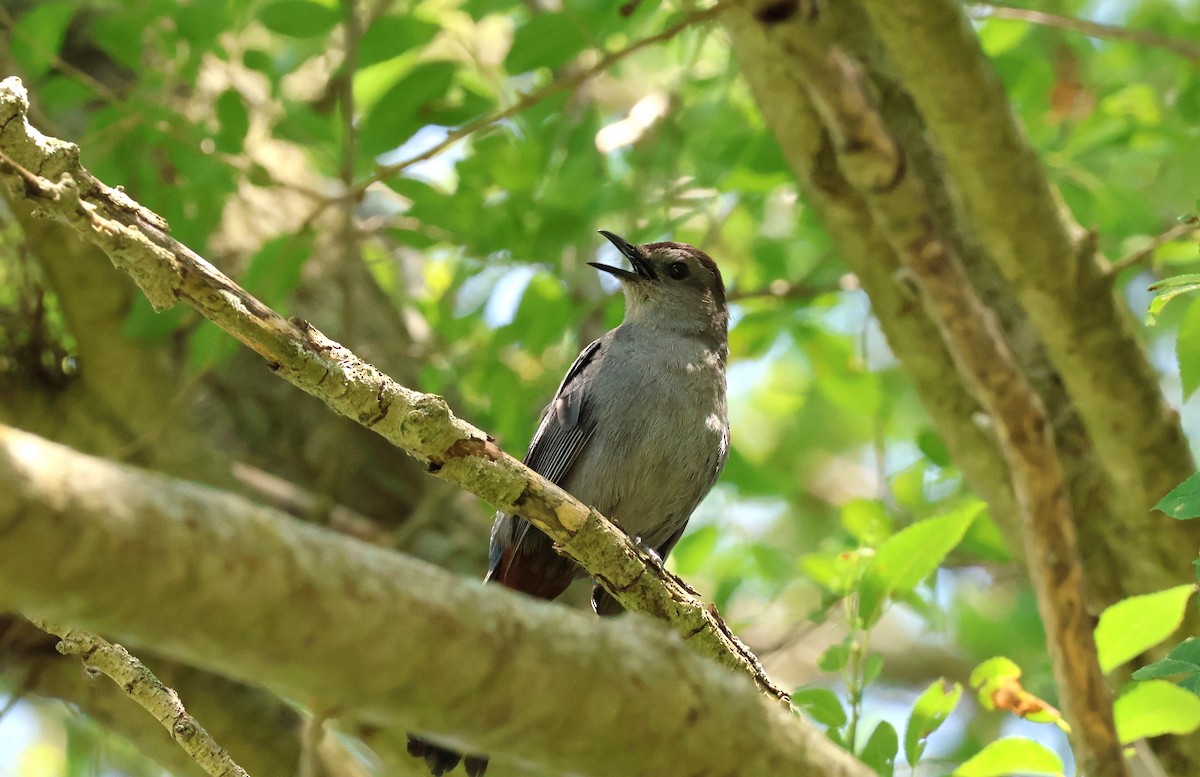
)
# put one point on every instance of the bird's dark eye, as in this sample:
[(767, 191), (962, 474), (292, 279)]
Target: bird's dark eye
[(678, 270)]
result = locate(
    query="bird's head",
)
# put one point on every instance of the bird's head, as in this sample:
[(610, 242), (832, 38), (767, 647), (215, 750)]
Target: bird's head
[(672, 285)]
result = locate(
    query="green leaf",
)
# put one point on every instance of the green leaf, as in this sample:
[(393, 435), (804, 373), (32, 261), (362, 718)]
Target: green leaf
[(872, 668), (695, 550), (912, 555), (546, 40), (1187, 349), (1138, 623), (1188, 650), (1153, 708), (990, 674), (274, 272), (37, 37), (1006, 757), (201, 21), (234, 120), (1000, 35), (1183, 503), (821, 704), (930, 443), (866, 520), (929, 712), (391, 36), (298, 18), (208, 346), (1166, 290), (397, 114), (1168, 667), (834, 658), (880, 751)]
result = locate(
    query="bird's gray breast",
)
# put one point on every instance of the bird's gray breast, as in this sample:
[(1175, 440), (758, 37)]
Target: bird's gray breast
[(661, 432)]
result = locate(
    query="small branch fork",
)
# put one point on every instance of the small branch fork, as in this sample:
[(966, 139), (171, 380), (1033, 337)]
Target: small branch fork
[(1187, 225), (140, 684), (167, 271), (874, 163)]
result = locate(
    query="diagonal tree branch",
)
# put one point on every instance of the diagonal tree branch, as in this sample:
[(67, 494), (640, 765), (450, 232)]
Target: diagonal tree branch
[(100, 655), (260, 730), (422, 424), (215, 581)]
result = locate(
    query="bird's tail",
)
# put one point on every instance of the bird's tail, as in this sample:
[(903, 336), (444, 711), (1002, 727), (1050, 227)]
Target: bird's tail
[(537, 571), (604, 604), (440, 760)]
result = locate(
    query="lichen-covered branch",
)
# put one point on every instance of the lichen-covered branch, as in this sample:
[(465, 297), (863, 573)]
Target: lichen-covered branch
[(140, 684), (874, 162), (212, 580), (260, 730), (422, 424)]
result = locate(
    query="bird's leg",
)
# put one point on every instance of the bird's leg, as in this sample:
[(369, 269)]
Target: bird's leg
[(655, 559)]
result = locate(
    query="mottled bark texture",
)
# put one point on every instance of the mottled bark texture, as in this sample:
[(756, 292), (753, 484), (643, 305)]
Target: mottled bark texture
[(216, 582)]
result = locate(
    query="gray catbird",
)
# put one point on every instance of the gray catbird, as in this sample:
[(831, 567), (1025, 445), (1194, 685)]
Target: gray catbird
[(637, 429)]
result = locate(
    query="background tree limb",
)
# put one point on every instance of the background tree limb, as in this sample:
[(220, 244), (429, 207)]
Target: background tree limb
[(430, 650)]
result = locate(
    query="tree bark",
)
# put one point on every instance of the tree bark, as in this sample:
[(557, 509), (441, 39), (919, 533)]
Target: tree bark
[(217, 582)]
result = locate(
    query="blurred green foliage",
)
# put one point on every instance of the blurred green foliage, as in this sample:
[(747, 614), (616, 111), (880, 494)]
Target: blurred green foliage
[(836, 484)]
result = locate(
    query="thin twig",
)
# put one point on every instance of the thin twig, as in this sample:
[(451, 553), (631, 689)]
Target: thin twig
[(132, 676), (101, 89), (351, 32), (781, 289), (572, 81), (1185, 48), (1187, 224)]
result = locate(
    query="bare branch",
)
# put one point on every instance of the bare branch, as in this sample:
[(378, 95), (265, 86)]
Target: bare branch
[(114, 661), (1185, 48), (1187, 225)]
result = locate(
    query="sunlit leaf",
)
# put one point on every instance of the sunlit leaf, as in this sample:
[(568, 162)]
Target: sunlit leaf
[(929, 712), (911, 555), (1006, 757), (834, 658), (998, 686), (1166, 290), (1183, 502), (879, 752), (821, 704), (1153, 708), (1138, 623), (1187, 349)]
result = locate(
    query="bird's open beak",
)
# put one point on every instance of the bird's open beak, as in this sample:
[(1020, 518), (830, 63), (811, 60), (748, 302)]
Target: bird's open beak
[(642, 271)]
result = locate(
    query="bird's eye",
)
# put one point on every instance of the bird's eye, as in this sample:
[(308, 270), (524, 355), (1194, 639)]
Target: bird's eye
[(678, 270)]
